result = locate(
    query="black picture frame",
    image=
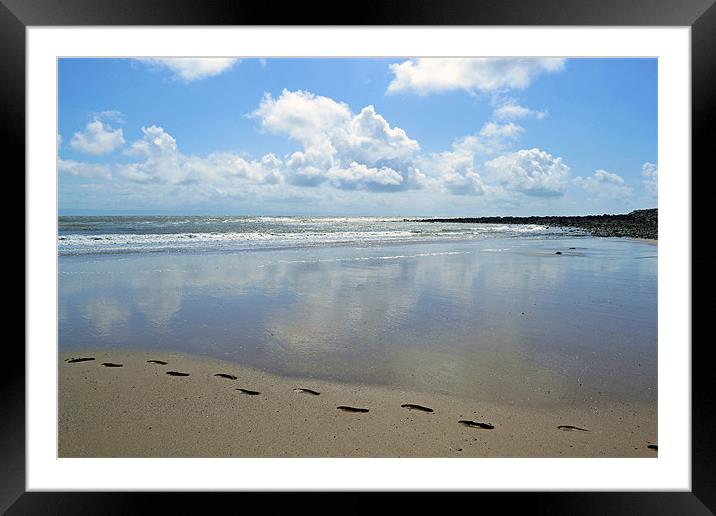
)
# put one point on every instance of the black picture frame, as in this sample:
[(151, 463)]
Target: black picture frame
[(700, 15)]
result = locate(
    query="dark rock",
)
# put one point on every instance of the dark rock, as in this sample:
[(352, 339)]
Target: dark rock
[(637, 224)]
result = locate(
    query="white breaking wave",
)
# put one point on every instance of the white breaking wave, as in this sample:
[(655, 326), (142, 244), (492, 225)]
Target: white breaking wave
[(271, 232)]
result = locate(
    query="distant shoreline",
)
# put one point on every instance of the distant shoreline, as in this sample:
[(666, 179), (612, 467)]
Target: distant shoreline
[(641, 224)]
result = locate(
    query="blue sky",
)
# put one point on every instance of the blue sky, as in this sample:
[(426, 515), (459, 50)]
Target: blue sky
[(397, 136)]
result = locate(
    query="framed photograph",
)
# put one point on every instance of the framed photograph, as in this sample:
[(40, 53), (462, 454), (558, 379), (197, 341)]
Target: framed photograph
[(427, 251)]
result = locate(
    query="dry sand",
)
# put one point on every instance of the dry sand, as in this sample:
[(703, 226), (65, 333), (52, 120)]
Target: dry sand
[(138, 410)]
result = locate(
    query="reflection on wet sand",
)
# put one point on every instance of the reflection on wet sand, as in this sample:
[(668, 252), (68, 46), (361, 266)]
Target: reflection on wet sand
[(506, 320)]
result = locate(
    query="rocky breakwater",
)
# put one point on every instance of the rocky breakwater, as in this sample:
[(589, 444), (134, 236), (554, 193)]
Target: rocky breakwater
[(636, 224)]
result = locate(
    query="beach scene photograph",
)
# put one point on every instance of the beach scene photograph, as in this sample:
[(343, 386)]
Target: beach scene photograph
[(357, 257)]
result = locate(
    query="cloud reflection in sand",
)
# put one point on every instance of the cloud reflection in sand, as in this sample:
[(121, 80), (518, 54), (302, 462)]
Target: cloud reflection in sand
[(459, 317)]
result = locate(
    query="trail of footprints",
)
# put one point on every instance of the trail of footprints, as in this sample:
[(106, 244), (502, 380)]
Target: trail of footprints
[(413, 406), (80, 359), (307, 391), (250, 393), (570, 428), (343, 408), (476, 424)]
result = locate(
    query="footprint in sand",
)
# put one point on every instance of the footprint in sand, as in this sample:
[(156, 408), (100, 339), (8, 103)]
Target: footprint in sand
[(227, 376), (81, 359), (161, 362), (476, 424), (570, 428), (111, 364), (250, 393), (351, 409), (176, 373), (307, 391), (413, 406)]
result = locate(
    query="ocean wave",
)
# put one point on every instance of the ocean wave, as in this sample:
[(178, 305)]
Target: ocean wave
[(111, 235)]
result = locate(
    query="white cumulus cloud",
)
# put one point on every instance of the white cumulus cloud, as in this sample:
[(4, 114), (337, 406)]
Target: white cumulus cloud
[(163, 163), (351, 151), (302, 115), (456, 171), (97, 138), (531, 172), (339, 149), (361, 177), (435, 75), (493, 135), (192, 68), (604, 184), (156, 141)]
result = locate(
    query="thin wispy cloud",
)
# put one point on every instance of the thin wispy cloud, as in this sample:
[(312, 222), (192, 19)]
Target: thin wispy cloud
[(513, 111), (110, 116), (650, 175), (87, 170)]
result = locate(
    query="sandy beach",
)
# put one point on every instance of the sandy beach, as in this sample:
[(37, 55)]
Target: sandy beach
[(130, 404)]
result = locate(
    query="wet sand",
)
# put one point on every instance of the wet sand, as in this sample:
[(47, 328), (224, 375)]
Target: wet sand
[(650, 241), (130, 404), (531, 321)]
